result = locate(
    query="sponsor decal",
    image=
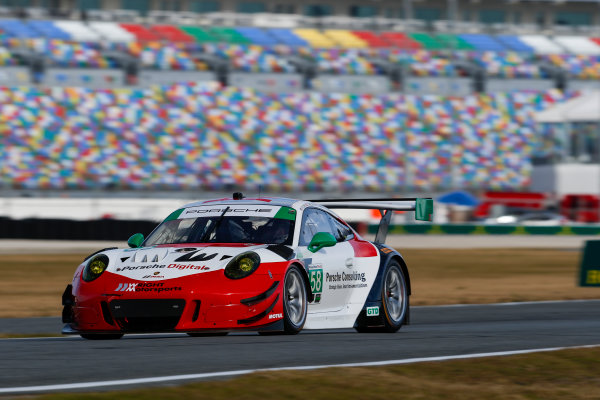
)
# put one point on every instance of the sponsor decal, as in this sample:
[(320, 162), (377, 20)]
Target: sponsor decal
[(186, 250), (136, 267), (352, 280), (275, 316), (344, 277), (157, 287), (316, 280), (198, 257), (215, 211), (183, 267), (153, 277), (386, 250), (372, 311)]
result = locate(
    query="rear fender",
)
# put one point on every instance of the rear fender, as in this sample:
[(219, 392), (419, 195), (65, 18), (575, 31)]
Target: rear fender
[(374, 299)]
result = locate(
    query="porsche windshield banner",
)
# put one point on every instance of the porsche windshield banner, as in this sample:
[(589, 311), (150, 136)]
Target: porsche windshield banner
[(241, 211)]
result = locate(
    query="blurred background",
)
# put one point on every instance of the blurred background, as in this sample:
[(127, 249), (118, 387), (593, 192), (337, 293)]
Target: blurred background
[(115, 112)]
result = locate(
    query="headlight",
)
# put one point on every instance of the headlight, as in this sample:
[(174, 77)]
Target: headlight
[(95, 267), (242, 265)]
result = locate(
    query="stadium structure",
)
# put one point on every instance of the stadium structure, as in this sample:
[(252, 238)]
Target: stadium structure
[(384, 97)]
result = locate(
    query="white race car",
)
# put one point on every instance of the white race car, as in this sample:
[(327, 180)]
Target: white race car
[(262, 264)]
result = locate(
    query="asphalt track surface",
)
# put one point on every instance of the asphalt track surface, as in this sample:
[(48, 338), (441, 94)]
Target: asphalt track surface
[(434, 331)]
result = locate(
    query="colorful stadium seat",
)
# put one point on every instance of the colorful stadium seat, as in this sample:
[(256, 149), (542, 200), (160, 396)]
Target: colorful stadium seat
[(48, 30), (514, 43), (112, 31), (204, 136), (578, 45), (199, 34), (345, 38), (257, 36), (483, 42), (401, 40), (542, 44), (172, 33), (17, 29), (372, 39), (142, 33), (228, 35), (315, 38), (453, 42), (78, 31), (286, 36), (427, 41)]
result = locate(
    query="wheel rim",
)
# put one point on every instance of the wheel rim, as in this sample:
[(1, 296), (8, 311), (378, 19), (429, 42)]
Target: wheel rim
[(295, 295), (394, 294)]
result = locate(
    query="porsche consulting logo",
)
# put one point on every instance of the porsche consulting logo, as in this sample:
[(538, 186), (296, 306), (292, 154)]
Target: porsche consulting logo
[(145, 287)]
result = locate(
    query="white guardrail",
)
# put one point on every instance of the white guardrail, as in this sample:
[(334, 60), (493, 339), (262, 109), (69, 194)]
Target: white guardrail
[(117, 208)]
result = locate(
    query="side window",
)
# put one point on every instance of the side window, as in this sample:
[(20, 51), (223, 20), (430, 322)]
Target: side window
[(342, 232), (314, 221)]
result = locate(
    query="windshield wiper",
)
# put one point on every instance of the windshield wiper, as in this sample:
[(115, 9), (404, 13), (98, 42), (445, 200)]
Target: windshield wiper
[(210, 230)]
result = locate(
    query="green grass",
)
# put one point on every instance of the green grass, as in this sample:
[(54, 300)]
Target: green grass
[(559, 375)]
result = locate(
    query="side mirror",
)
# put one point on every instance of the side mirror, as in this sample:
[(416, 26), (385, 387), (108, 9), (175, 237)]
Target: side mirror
[(136, 240), (320, 240)]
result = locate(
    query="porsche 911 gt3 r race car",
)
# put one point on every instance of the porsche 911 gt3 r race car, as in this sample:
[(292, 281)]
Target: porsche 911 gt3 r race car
[(263, 264)]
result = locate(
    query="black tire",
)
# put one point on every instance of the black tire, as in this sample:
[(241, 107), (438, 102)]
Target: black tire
[(295, 301), (206, 334), (100, 336), (394, 300)]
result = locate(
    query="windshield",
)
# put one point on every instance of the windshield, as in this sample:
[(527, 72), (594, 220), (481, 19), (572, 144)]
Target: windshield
[(224, 228)]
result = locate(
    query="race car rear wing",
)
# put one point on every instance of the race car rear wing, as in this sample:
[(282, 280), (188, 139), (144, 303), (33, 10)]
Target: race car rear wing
[(423, 208)]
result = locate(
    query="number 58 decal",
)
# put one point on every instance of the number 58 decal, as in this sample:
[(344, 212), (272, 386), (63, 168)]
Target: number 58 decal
[(316, 280)]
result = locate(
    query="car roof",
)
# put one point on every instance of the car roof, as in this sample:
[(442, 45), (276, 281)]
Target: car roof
[(266, 201)]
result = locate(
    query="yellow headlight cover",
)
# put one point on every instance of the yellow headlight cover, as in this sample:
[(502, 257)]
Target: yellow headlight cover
[(246, 264), (97, 266)]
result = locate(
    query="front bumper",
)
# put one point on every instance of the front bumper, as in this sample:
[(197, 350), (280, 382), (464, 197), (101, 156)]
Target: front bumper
[(254, 304)]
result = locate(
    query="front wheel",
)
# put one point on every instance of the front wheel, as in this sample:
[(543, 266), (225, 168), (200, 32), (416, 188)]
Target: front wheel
[(294, 301), (98, 336)]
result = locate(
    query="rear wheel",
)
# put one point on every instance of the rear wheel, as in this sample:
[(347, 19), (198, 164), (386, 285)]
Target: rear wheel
[(394, 300), (294, 301), (395, 297), (99, 336)]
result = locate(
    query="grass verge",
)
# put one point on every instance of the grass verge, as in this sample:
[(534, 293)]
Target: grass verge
[(32, 285), (573, 375)]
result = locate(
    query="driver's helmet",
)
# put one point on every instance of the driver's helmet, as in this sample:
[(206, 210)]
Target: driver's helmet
[(276, 231)]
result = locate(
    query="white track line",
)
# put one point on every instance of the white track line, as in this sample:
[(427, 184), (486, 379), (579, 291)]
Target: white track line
[(171, 378)]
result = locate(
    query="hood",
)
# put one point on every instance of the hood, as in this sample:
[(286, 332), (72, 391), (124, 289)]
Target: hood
[(170, 262)]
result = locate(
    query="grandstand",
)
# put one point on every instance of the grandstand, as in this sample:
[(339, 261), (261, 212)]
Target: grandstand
[(180, 101)]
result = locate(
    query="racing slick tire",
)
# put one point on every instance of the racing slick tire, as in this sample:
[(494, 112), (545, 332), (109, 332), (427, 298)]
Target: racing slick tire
[(394, 300), (95, 336), (295, 301)]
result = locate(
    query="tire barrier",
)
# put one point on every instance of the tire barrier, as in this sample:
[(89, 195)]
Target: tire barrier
[(65, 229)]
